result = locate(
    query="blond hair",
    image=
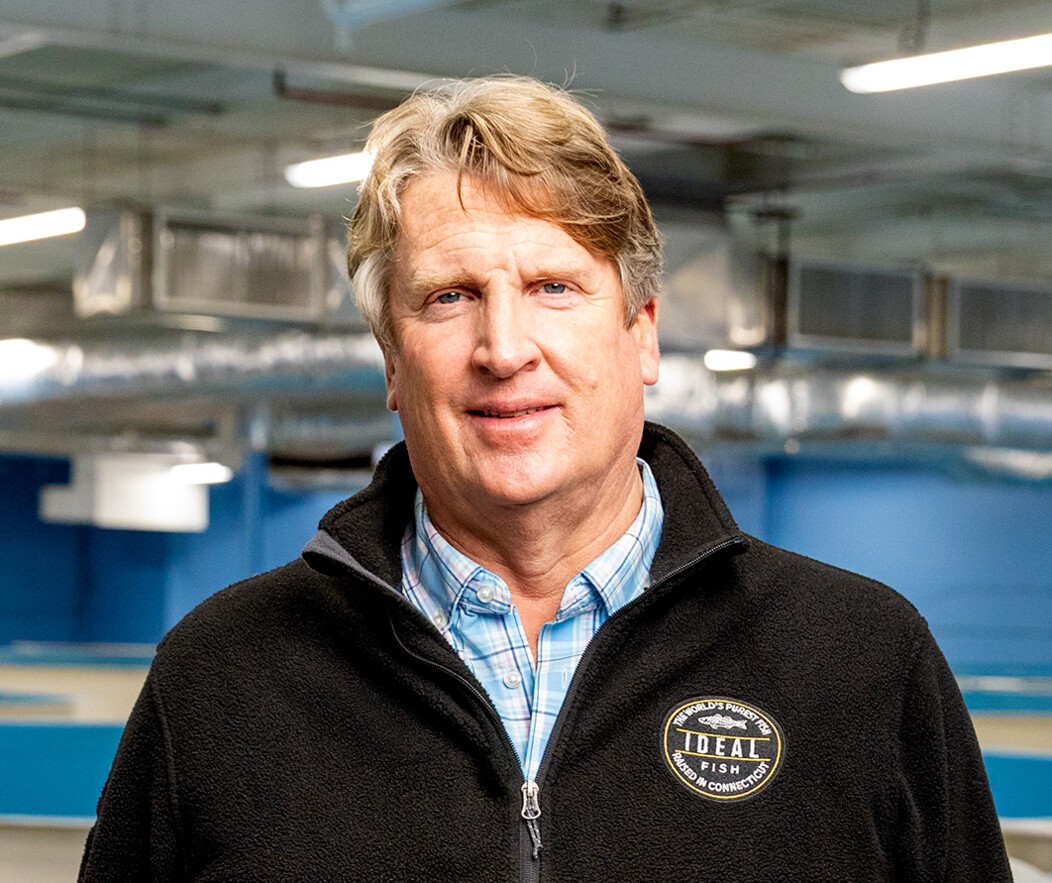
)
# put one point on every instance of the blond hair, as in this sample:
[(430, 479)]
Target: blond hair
[(532, 145)]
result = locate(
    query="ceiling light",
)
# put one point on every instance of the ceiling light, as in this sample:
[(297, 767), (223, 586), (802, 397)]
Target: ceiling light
[(21, 360), (945, 67), (861, 393), (729, 360), (330, 170), (202, 473), (41, 226)]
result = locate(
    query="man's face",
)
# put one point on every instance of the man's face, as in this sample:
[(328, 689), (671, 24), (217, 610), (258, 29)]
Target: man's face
[(513, 373)]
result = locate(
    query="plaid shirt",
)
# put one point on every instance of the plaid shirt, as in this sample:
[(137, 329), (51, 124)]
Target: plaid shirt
[(472, 608)]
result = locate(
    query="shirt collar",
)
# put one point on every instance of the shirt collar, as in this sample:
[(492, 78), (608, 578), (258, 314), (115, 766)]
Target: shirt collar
[(622, 572), (441, 580)]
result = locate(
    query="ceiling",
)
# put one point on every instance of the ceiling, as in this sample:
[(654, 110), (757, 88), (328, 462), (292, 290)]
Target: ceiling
[(186, 103), (730, 107)]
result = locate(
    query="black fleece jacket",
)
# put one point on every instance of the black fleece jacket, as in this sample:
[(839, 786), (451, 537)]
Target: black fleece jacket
[(755, 715)]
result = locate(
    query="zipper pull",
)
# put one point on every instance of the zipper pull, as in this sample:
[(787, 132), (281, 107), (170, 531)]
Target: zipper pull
[(531, 805), (531, 811)]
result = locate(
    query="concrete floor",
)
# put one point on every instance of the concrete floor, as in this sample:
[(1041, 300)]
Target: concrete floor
[(32, 854), (102, 694), (1030, 840)]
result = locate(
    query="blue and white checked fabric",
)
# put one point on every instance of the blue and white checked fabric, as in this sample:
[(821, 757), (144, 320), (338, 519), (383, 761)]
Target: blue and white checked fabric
[(472, 608)]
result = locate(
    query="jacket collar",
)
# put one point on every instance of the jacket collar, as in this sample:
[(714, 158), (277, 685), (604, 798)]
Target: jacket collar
[(697, 520), (364, 533)]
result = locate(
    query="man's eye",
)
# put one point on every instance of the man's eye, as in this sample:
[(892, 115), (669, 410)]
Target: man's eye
[(448, 297), (553, 288)]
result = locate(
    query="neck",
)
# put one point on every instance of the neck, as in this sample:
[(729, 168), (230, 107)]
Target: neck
[(537, 549)]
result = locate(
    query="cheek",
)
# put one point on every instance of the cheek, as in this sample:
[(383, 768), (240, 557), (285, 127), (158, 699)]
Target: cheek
[(598, 362), (424, 383)]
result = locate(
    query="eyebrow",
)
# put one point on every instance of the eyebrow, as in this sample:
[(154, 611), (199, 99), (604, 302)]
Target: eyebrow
[(427, 281)]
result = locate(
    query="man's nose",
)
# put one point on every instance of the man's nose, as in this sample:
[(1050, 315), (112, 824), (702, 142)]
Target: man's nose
[(505, 343)]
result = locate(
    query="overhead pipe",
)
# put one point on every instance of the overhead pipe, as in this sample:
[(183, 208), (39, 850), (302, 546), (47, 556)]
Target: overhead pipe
[(778, 403), (772, 403), (196, 364)]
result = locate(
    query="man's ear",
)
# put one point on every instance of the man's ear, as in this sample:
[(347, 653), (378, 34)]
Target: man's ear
[(391, 376), (645, 331)]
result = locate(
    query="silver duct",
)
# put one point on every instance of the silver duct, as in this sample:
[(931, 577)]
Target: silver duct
[(780, 404), (768, 404), (206, 365)]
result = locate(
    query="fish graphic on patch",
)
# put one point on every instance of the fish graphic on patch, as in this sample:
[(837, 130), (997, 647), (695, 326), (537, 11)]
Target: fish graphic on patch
[(722, 722)]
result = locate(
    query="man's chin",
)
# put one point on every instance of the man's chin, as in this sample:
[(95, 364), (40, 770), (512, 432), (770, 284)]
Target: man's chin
[(516, 484), (516, 495)]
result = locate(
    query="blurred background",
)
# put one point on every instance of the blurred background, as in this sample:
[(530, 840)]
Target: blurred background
[(857, 322)]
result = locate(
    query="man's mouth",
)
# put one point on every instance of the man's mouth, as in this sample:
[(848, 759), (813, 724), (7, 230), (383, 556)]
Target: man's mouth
[(506, 415)]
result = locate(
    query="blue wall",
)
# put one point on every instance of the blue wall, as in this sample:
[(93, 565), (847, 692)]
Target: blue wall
[(974, 556), (39, 568), (82, 584), (252, 529)]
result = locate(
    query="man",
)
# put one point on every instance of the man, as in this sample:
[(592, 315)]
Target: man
[(537, 647)]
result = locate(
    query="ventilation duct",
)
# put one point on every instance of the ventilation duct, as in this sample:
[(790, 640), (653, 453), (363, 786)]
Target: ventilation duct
[(1000, 324), (179, 262), (831, 405), (195, 365), (713, 293), (857, 308), (763, 405)]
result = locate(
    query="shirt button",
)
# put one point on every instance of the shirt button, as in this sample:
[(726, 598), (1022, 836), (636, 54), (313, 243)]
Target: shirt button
[(440, 620), (485, 594), (512, 678)]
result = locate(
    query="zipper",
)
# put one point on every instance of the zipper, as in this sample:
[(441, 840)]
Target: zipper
[(708, 553), (477, 693), (529, 847), (531, 811), (530, 838)]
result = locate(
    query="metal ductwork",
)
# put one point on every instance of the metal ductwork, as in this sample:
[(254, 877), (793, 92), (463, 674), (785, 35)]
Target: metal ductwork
[(167, 262), (203, 365), (826, 404), (770, 404)]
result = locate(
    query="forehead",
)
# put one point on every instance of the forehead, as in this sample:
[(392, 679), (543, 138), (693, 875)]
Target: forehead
[(444, 224)]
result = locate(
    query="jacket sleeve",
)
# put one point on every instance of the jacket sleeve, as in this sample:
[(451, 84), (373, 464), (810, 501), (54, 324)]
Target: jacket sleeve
[(949, 829), (135, 836)]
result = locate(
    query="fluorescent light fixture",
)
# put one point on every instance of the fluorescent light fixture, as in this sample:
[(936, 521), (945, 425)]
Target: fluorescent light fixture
[(202, 473), (859, 393), (40, 226), (729, 360), (330, 170), (946, 67), (21, 360)]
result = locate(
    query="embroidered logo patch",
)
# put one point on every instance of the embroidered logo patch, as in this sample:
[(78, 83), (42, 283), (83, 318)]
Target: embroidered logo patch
[(721, 748)]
